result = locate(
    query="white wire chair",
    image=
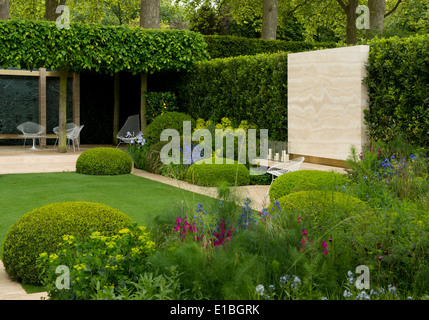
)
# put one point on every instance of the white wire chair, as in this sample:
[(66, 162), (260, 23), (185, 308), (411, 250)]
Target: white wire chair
[(285, 167), (69, 128), (30, 129), (130, 130), (73, 136)]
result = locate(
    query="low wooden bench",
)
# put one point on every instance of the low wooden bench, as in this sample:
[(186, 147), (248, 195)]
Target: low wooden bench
[(19, 136)]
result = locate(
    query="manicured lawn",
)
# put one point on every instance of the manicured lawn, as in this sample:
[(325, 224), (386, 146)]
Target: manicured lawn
[(145, 201)]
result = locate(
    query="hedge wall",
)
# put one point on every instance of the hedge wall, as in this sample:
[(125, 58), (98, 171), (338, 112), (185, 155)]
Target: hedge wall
[(252, 88), (31, 44), (229, 46), (398, 85)]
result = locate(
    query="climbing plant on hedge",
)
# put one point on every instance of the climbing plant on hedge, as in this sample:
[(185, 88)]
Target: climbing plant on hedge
[(109, 49)]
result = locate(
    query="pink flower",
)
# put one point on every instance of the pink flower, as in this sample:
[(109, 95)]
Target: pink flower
[(304, 233), (325, 251), (299, 219)]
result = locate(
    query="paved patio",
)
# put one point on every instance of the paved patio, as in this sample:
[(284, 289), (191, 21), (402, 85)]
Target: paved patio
[(16, 159)]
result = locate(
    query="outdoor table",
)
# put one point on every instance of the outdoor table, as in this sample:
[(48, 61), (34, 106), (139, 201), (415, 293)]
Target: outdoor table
[(34, 137)]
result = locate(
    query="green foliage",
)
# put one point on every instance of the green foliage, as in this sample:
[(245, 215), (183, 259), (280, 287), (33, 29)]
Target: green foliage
[(212, 174), (305, 180), (153, 159), (159, 103), (318, 203), (169, 120), (398, 89), (251, 88), (96, 262), (138, 153), (230, 46), (31, 44), (42, 229), (104, 161)]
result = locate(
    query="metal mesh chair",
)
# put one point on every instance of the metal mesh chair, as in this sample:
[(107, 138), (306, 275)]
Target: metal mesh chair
[(73, 136), (130, 130), (30, 129), (69, 128)]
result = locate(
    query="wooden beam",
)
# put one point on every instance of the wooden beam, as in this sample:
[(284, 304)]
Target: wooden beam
[(321, 161), (116, 103), (76, 100), (62, 136), (27, 73), (42, 102), (17, 136)]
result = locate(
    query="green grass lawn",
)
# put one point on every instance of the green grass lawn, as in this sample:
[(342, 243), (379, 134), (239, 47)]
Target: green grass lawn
[(143, 200)]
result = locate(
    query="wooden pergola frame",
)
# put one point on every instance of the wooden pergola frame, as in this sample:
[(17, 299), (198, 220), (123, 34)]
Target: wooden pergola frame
[(42, 74)]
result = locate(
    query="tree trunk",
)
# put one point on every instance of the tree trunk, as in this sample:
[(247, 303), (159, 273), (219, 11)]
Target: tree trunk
[(269, 20), (62, 136), (143, 104), (149, 14), (351, 21), (51, 7), (377, 9), (116, 91), (4, 9)]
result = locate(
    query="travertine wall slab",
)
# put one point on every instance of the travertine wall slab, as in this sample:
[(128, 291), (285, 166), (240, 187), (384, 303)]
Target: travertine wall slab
[(326, 99)]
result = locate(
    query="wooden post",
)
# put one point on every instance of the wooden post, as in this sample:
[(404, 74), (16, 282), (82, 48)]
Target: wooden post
[(42, 102), (143, 104), (62, 137), (76, 100), (117, 92)]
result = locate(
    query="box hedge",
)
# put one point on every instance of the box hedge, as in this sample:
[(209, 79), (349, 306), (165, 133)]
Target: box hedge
[(230, 46), (398, 88), (42, 229), (305, 180), (213, 174), (252, 88), (104, 161)]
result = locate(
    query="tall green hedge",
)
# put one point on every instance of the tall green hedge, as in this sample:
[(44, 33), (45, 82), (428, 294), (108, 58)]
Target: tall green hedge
[(31, 44), (229, 46), (398, 85), (252, 88)]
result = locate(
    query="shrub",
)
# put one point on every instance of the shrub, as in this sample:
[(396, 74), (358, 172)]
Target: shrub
[(169, 120), (42, 229), (252, 88), (397, 87), (323, 209), (98, 48), (304, 180), (104, 161), (230, 46), (159, 103), (212, 174), (97, 262), (153, 158)]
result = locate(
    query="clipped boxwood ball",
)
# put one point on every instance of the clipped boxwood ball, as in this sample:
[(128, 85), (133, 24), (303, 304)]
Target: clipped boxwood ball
[(212, 174), (104, 161), (169, 120), (304, 180), (42, 229), (318, 203)]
